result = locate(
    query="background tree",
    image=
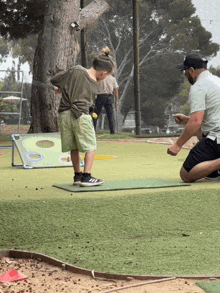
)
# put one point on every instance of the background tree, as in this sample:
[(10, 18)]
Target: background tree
[(215, 71), (13, 83), (24, 50), (57, 45), (4, 49), (168, 30), (11, 80)]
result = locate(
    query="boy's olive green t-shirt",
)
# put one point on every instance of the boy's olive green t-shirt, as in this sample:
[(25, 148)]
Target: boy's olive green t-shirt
[(79, 90)]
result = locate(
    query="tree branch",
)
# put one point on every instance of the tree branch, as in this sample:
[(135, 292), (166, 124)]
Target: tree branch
[(124, 62), (107, 31), (92, 12)]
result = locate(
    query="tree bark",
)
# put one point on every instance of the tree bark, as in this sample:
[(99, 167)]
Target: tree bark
[(92, 12), (57, 49)]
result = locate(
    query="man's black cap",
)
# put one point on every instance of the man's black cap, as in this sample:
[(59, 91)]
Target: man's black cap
[(194, 60)]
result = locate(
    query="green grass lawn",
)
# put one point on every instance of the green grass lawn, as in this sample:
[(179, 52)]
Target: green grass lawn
[(162, 231)]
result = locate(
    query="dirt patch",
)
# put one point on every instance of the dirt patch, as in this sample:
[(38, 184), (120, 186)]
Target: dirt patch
[(171, 140), (43, 278), (158, 140), (7, 130)]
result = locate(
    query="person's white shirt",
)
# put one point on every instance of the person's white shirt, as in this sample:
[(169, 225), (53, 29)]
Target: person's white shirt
[(205, 96)]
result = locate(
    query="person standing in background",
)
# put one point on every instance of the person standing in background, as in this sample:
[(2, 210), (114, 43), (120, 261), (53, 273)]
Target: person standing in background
[(107, 97)]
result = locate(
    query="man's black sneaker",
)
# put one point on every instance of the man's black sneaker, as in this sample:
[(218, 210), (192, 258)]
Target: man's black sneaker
[(214, 176), (88, 180), (77, 178)]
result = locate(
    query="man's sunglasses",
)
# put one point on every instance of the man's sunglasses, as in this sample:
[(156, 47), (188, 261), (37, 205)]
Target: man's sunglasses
[(184, 70)]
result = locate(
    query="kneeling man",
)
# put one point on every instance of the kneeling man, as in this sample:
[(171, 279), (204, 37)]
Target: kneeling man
[(204, 99)]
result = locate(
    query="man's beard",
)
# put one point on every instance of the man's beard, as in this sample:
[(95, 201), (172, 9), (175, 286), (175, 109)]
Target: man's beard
[(190, 79)]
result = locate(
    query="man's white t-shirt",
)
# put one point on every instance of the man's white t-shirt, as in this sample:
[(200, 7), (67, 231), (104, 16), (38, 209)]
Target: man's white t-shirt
[(205, 96)]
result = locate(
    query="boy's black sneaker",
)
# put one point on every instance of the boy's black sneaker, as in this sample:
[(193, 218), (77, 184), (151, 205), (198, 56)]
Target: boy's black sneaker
[(77, 178), (87, 180)]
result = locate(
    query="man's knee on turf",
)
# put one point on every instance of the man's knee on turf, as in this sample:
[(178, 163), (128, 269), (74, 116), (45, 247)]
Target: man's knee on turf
[(184, 175)]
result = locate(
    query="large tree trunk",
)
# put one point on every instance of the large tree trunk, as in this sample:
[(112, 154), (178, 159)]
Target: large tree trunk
[(57, 49)]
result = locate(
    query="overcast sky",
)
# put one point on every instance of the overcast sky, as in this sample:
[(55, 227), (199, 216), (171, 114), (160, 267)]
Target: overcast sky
[(209, 13)]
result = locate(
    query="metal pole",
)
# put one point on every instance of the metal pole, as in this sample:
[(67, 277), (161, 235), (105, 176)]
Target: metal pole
[(83, 42), (136, 67), (21, 99)]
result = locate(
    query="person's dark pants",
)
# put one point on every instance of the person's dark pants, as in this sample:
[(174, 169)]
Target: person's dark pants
[(106, 101)]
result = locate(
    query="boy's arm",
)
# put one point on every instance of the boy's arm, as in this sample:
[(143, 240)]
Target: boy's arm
[(57, 79)]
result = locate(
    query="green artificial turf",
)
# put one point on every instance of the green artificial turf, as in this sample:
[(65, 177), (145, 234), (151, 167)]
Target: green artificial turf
[(160, 233), (209, 286), (154, 231), (133, 161)]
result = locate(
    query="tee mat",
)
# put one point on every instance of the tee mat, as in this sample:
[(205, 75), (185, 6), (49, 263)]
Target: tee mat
[(40, 150), (122, 185)]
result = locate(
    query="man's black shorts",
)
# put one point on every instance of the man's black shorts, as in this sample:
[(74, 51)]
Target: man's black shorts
[(205, 150)]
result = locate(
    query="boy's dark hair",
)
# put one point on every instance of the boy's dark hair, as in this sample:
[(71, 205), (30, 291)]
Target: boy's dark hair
[(103, 62)]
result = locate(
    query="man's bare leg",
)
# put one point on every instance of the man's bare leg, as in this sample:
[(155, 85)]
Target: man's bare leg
[(200, 171)]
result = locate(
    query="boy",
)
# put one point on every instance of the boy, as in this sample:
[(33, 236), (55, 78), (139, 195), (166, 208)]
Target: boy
[(79, 88)]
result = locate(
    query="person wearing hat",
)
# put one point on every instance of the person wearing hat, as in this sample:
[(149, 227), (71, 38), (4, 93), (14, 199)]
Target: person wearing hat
[(203, 160)]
